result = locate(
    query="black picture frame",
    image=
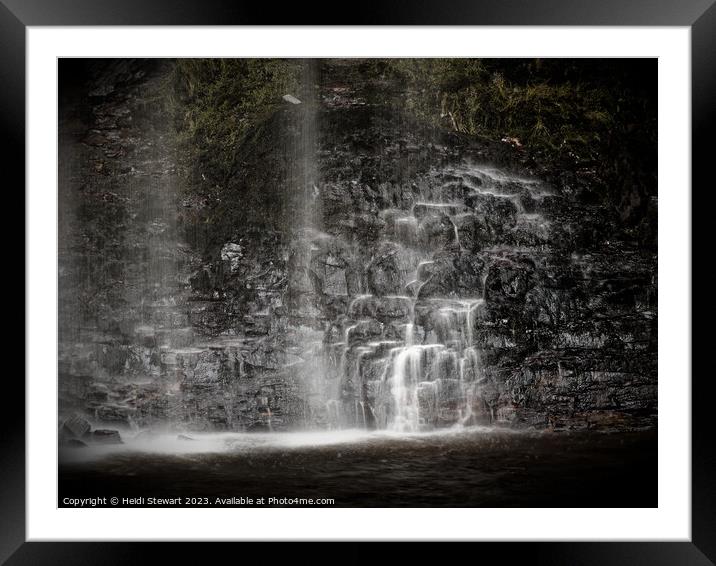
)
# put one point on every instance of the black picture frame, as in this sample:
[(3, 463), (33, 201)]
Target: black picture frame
[(699, 15)]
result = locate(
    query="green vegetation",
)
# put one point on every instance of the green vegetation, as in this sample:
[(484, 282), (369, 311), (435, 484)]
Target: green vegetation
[(556, 107), (572, 110), (222, 111), (217, 102)]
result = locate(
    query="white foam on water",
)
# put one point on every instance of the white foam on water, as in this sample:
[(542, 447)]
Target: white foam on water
[(171, 444)]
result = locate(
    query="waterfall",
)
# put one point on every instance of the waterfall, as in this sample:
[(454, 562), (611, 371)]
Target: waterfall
[(397, 351), (412, 362), (287, 244), (422, 375)]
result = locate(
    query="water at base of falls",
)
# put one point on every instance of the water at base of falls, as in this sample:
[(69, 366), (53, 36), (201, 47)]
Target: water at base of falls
[(468, 467), (229, 442)]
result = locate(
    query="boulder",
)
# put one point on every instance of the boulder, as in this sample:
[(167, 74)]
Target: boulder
[(508, 280), (454, 274), (113, 413), (106, 436), (232, 254), (383, 309), (383, 274), (364, 331), (75, 427), (472, 232), (499, 212), (436, 231)]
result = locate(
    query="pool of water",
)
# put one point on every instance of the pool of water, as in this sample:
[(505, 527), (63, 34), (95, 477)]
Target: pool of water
[(475, 467)]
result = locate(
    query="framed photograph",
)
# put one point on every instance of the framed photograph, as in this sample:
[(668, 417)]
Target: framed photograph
[(426, 278)]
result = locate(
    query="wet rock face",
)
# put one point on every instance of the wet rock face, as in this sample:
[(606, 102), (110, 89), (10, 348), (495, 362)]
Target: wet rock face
[(383, 275), (424, 289), (472, 275), (436, 231), (456, 274), (507, 283)]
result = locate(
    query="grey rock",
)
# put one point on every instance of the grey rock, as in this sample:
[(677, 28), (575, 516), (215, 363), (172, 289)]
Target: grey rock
[(383, 274), (106, 436), (76, 426)]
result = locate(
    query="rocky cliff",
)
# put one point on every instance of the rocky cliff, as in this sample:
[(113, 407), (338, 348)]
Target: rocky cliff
[(357, 268)]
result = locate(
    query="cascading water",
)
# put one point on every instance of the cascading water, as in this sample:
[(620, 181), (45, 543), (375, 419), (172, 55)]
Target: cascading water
[(412, 362)]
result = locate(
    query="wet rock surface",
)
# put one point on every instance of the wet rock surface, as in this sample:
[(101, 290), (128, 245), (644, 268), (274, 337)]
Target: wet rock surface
[(434, 283), (76, 432)]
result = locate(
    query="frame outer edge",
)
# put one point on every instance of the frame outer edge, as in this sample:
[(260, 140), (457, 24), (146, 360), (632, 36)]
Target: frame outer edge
[(12, 157), (703, 458), (12, 101), (371, 12)]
